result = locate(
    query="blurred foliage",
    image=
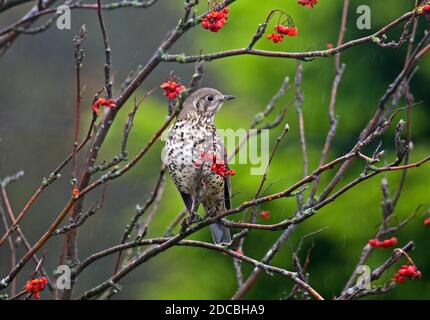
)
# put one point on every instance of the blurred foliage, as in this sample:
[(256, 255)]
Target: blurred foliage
[(184, 272)]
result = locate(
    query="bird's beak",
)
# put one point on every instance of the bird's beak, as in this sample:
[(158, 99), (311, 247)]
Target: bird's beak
[(226, 98)]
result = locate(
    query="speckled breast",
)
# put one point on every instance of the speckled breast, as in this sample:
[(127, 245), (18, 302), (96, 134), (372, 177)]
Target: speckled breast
[(190, 149)]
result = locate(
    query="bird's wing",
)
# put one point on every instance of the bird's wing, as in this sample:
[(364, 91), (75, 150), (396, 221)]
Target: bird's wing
[(188, 201), (227, 186)]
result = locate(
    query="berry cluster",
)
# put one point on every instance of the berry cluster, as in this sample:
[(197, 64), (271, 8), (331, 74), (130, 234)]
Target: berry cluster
[(221, 169), (35, 286), (289, 31), (275, 37), (109, 103), (283, 28), (215, 20), (265, 215), (407, 271), (308, 3), (172, 89), (383, 244)]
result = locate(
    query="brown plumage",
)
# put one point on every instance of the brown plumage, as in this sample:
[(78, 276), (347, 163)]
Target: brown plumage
[(191, 146)]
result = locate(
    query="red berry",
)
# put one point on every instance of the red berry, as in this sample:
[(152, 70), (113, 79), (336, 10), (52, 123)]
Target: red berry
[(374, 243), (281, 29), (390, 242), (75, 192), (110, 103), (293, 32), (393, 241), (275, 37), (427, 221), (265, 215)]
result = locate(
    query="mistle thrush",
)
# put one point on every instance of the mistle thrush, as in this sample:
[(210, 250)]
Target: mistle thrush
[(193, 149)]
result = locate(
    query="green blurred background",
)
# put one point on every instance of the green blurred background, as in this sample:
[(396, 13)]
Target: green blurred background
[(36, 128)]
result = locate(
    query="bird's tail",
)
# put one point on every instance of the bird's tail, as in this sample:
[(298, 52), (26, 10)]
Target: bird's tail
[(220, 234)]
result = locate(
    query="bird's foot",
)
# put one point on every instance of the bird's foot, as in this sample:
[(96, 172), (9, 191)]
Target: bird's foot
[(192, 219), (184, 225)]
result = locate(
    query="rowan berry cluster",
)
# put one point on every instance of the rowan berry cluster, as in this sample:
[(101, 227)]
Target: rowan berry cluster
[(221, 169), (282, 29), (407, 271), (172, 89), (35, 286), (383, 244), (215, 20), (108, 103)]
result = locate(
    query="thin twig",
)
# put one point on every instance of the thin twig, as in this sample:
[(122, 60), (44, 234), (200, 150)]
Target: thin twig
[(163, 244)]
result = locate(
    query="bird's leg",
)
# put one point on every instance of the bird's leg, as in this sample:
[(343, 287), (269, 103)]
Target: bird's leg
[(184, 225), (193, 217), (210, 213), (193, 214)]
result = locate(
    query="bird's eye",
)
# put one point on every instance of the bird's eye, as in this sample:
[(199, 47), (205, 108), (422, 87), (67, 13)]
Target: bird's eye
[(210, 98)]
